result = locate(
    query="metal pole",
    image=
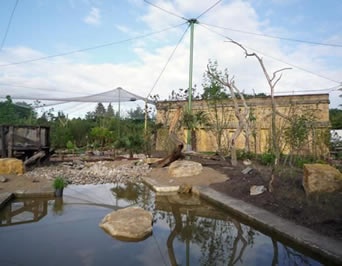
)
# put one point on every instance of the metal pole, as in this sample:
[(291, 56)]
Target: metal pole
[(119, 112), (192, 22)]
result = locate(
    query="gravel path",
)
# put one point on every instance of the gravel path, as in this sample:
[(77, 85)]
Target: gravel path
[(79, 172)]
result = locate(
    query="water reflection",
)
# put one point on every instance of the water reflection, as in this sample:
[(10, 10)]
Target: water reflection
[(186, 231), (221, 239), (22, 211)]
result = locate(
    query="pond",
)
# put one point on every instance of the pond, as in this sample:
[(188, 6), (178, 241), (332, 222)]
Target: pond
[(186, 231)]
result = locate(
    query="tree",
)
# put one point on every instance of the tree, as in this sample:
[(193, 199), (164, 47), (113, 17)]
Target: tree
[(272, 82), (242, 114), (136, 114), (335, 118), (194, 121), (100, 110), (16, 113), (214, 95), (110, 111), (297, 132)]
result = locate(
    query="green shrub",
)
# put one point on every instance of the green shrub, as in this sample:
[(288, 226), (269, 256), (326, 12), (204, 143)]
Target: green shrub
[(267, 158), (242, 155), (60, 182)]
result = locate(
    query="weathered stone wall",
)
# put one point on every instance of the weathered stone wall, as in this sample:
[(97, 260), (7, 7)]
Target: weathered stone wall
[(317, 104)]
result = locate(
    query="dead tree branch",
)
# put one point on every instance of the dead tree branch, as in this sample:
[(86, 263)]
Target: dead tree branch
[(272, 82)]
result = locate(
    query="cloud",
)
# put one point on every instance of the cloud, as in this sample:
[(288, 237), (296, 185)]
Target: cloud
[(77, 76), (94, 17)]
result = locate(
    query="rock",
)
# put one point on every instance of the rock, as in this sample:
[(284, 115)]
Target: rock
[(247, 162), (321, 178), (11, 166), (132, 223), (3, 179), (257, 190), (247, 170), (182, 168), (184, 188)]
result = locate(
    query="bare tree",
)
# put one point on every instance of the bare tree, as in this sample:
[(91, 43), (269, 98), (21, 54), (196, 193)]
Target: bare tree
[(242, 114), (272, 81)]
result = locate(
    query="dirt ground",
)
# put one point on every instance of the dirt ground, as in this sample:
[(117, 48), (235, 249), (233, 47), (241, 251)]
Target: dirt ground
[(321, 212)]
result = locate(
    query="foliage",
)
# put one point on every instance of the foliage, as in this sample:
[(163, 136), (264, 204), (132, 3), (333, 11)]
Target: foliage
[(194, 120), (70, 145), (100, 110), (183, 94), (132, 138), (110, 111), (136, 114), (214, 94), (60, 182), (213, 90), (242, 155), (267, 159), (16, 113), (335, 118), (297, 131), (100, 136)]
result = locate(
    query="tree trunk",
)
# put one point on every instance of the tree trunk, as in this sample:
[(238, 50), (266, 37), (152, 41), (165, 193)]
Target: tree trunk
[(174, 156)]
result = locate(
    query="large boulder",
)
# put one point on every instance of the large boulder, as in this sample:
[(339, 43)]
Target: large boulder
[(11, 166), (182, 168), (131, 224), (321, 178)]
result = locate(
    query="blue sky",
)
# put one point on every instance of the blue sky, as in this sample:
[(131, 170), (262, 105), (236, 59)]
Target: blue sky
[(41, 28)]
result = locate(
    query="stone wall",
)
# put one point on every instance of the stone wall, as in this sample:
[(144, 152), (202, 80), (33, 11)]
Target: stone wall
[(205, 140)]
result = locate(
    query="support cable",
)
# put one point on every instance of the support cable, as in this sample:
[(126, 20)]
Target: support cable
[(167, 11), (276, 37), (92, 47), (274, 58), (167, 62), (8, 25), (208, 9)]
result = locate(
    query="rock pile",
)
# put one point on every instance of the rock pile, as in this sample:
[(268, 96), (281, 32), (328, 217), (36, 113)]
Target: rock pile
[(102, 172)]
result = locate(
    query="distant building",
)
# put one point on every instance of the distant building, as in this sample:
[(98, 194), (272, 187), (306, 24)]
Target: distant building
[(204, 138)]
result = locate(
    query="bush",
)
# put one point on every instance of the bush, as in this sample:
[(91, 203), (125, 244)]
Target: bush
[(60, 182), (242, 155), (267, 158)]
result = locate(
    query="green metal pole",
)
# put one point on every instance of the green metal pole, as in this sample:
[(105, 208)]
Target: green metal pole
[(192, 22), (119, 124)]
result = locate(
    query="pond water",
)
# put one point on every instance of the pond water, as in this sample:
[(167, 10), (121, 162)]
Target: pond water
[(186, 231)]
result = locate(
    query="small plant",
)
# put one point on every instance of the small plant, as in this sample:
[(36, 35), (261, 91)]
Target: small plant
[(267, 159), (60, 182)]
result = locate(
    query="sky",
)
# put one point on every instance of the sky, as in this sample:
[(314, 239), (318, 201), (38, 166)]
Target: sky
[(73, 48)]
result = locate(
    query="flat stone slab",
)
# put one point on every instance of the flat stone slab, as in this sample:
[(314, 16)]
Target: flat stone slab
[(130, 224), (160, 180), (5, 197)]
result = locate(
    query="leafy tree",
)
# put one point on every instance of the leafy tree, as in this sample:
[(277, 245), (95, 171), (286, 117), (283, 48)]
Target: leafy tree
[(80, 129), (100, 135), (100, 110), (137, 114), (214, 94), (16, 113), (335, 118), (297, 133), (194, 121), (110, 111), (132, 137)]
